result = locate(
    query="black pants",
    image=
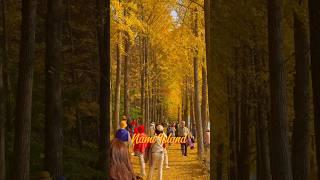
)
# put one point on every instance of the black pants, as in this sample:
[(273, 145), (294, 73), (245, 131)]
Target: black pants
[(184, 149)]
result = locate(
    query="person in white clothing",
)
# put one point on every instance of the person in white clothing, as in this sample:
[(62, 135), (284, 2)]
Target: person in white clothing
[(152, 129), (165, 152), (157, 154)]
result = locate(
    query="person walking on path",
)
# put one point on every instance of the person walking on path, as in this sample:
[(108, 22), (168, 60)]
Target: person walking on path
[(177, 128), (133, 126), (152, 129), (139, 150), (183, 131), (165, 153), (120, 164), (123, 134), (171, 130), (157, 154)]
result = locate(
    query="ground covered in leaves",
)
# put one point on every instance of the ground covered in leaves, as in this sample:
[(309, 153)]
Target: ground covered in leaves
[(181, 168)]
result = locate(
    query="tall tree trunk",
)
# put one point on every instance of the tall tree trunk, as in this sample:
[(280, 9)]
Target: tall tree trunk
[(300, 145), (280, 161), (151, 101), (3, 95), (146, 99), (2, 126), (24, 91), (126, 68), (244, 156), (237, 100), (209, 28), (186, 107), (204, 98), (5, 68), (54, 107), (103, 30), (233, 173), (219, 161), (178, 114), (263, 160), (263, 153), (192, 114), (126, 74), (154, 103), (117, 89), (142, 86), (157, 101), (314, 20), (197, 94), (79, 129)]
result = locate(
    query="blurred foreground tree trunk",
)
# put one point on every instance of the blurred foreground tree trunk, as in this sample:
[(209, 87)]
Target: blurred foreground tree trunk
[(54, 108), (209, 31), (301, 135), (21, 162), (314, 20), (280, 160), (244, 154), (262, 143), (3, 94), (103, 30)]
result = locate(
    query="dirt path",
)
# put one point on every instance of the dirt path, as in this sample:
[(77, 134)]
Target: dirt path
[(181, 168)]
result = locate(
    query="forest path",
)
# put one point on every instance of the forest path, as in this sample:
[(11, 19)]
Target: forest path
[(181, 168)]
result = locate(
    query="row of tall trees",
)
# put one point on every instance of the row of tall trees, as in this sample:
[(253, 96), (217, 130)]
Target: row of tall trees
[(266, 76), (46, 46), (149, 58), (57, 58), (154, 51)]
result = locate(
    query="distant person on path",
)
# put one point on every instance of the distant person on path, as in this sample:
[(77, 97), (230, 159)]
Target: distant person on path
[(134, 124), (190, 141), (139, 121), (171, 130), (165, 127), (139, 149), (157, 154), (124, 118), (129, 121), (123, 134), (183, 131), (120, 164), (152, 129), (177, 128)]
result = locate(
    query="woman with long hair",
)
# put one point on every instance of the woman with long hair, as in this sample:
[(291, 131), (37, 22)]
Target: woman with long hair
[(120, 164)]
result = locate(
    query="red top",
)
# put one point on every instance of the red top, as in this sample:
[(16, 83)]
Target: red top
[(134, 123), (141, 147)]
